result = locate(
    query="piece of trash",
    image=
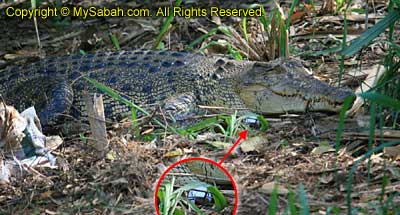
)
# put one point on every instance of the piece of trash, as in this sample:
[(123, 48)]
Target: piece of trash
[(22, 143), (323, 147)]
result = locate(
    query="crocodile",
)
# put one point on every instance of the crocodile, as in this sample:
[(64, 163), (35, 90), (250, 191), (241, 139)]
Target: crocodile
[(175, 82)]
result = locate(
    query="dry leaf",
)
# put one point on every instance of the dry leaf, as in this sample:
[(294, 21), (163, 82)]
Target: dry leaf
[(323, 148), (254, 144), (177, 152), (393, 152), (269, 187)]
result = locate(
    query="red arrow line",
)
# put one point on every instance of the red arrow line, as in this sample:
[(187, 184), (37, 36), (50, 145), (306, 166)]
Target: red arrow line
[(242, 136)]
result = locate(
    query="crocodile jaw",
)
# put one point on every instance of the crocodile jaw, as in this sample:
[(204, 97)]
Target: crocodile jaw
[(284, 85), (265, 101)]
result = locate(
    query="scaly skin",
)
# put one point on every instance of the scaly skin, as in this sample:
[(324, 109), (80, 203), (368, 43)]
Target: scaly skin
[(193, 171), (178, 81)]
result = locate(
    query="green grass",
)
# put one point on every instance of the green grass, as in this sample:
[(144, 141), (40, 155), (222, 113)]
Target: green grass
[(165, 27), (273, 202), (115, 41), (365, 38), (242, 46), (170, 199), (353, 169), (382, 96)]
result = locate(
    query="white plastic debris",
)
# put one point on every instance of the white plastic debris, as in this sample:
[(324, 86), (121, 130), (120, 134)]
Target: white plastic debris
[(199, 193), (21, 142)]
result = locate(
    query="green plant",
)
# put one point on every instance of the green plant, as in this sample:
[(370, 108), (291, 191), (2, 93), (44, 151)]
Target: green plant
[(172, 202), (234, 124), (165, 27), (291, 208), (274, 40), (353, 169), (114, 41)]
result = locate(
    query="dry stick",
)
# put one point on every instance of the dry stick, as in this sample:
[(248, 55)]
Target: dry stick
[(37, 32), (97, 123), (243, 42), (166, 124), (6, 119)]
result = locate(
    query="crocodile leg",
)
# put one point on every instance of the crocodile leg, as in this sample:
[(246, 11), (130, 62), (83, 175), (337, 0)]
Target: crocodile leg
[(52, 98), (181, 107), (59, 104)]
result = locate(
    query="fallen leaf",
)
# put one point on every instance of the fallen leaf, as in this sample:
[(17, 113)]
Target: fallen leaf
[(269, 187), (393, 152), (254, 144), (177, 152), (111, 155), (220, 144), (323, 148)]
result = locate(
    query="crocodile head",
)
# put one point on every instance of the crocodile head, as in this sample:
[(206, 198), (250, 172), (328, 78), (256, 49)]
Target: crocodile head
[(284, 86)]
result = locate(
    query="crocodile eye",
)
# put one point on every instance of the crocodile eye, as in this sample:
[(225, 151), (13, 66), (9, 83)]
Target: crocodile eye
[(220, 62)]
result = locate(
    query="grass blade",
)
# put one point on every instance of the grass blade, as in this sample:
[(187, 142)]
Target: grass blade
[(273, 203), (113, 94), (342, 116), (368, 35), (292, 204), (244, 27), (381, 99), (219, 198), (304, 210), (115, 42), (353, 169), (165, 26), (201, 38), (291, 10)]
